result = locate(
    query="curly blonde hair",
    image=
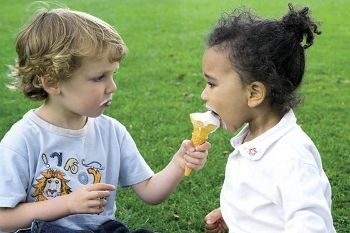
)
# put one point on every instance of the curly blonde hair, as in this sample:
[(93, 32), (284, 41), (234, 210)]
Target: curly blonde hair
[(52, 45)]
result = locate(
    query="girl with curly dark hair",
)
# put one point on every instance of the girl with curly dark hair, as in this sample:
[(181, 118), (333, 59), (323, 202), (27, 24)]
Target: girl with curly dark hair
[(274, 180)]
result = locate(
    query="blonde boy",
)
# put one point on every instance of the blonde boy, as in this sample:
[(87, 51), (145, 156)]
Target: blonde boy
[(62, 161)]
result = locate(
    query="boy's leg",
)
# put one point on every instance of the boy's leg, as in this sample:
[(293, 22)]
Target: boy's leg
[(108, 227), (45, 227), (113, 227), (24, 231), (142, 231), (117, 227)]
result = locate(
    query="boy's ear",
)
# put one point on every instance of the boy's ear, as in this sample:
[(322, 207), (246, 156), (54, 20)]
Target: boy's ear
[(256, 94), (49, 87)]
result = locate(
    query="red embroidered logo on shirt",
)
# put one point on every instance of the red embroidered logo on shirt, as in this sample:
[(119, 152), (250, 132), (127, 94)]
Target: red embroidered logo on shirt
[(252, 151)]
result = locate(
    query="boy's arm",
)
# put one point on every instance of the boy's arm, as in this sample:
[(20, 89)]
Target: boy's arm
[(162, 184), (24, 214), (89, 199)]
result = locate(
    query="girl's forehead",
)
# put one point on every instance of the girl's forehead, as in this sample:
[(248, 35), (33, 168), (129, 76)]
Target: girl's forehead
[(214, 58), (216, 52)]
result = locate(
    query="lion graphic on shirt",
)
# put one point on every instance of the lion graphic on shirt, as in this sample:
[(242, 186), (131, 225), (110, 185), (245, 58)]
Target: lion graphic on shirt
[(52, 184)]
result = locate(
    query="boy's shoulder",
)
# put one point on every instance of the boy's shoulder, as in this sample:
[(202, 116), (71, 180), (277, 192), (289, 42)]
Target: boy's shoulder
[(21, 133), (23, 126), (105, 121), (108, 127)]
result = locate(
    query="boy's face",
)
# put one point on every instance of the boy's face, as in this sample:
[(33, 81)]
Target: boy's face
[(224, 92), (90, 88)]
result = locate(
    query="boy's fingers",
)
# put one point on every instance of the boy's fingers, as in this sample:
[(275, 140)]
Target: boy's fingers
[(195, 161), (197, 155), (205, 146), (187, 144), (101, 186), (102, 194)]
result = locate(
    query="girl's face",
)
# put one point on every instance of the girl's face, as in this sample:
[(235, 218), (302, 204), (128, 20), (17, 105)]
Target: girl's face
[(224, 92), (89, 89)]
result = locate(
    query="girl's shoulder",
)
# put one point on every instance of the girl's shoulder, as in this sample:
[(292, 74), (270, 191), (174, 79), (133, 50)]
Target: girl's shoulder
[(296, 147)]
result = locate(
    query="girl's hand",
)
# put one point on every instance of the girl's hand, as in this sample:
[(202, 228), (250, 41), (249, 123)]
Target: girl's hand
[(214, 223), (194, 157), (89, 199)]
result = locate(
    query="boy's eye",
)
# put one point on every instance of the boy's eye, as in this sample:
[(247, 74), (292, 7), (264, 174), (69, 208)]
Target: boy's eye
[(99, 78)]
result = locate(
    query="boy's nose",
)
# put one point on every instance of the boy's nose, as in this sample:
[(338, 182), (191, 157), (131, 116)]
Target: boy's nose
[(112, 87)]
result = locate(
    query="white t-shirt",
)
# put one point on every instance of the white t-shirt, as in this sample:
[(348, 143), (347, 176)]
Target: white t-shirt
[(275, 183), (39, 161)]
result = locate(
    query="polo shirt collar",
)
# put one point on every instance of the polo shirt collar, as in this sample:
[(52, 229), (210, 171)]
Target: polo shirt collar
[(256, 148)]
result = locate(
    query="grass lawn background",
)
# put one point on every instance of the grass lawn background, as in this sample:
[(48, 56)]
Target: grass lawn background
[(160, 84)]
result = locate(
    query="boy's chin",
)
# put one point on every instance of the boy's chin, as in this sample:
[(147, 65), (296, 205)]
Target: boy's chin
[(94, 115)]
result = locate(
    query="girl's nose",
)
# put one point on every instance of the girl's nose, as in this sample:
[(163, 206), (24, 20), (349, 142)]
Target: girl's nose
[(204, 95)]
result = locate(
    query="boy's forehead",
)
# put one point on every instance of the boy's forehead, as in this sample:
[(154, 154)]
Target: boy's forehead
[(97, 61), (98, 64)]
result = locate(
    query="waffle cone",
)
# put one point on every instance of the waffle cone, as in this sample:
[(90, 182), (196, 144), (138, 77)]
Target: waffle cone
[(199, 136)]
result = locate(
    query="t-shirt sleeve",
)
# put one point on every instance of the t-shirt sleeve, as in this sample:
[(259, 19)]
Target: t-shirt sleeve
[(133, 168), (14, 177)]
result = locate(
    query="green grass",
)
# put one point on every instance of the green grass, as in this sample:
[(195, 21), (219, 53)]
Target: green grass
[(160, 84)]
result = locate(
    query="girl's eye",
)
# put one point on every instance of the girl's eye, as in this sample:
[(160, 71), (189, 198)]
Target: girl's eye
[(210, 84)]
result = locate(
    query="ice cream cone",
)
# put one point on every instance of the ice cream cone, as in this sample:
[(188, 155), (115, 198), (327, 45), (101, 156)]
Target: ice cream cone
[(203, 125)]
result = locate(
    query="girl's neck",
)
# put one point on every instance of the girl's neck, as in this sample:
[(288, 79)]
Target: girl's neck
[(61, 118), (262, 122)]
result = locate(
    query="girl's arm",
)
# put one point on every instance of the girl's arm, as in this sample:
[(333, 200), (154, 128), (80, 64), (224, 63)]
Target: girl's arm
[(214, 222), (305, 194), (87, 199), (162, 184)]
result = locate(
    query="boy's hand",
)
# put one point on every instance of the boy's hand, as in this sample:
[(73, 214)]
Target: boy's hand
[(193, 157), (89, 199), (214, 223)]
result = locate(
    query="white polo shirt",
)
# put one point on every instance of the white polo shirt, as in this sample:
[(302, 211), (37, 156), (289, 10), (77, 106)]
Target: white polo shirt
[(275, 183)]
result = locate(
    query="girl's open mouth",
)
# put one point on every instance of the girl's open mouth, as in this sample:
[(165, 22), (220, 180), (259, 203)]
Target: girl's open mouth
[(215, 114)]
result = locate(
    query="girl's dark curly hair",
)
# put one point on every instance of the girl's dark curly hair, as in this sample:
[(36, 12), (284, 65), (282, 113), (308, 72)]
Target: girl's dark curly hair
[(269, 51)]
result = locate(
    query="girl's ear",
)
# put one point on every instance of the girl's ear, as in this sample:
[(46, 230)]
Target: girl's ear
[(50, 87), (256, 94)]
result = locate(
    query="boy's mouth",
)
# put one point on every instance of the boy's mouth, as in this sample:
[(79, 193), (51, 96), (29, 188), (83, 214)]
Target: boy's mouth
[(106, 103)]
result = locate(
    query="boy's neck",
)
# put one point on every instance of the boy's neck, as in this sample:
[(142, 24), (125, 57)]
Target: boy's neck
[(60, 118)]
